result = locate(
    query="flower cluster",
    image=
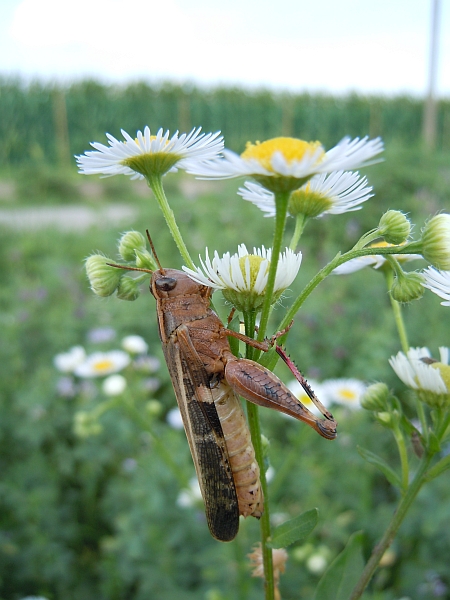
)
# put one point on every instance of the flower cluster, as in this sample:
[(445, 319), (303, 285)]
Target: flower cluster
[(81, 369)]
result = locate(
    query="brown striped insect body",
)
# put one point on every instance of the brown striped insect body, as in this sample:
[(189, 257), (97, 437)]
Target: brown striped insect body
[(207, 378)]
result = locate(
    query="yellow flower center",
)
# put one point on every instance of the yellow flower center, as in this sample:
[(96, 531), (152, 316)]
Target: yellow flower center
[(103, 365), (291, 148), (444, 370), (254, 264), (305, 399), (348, 395)]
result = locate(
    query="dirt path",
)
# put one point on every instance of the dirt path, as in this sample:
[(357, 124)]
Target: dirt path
[(66, 218)]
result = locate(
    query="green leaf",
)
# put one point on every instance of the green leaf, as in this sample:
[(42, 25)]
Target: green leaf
[(342, 575), (381, 464), (294, 530)]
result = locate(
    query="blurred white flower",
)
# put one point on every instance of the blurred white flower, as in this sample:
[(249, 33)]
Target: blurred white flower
[(134, 344), (439, 283), (174, 419), (376, 261), (190, 496), (129, 465), (347, 392), (66, 362), (317, 564), (114, 385), (147, 364), (417, 371), (100, 335), (270, 474), (103, 363), (300, 393)]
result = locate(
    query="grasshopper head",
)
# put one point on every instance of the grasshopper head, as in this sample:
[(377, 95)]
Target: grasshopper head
[(169, 283)]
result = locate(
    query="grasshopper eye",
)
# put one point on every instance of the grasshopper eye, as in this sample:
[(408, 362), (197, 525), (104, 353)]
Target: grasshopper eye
[(165, 284)]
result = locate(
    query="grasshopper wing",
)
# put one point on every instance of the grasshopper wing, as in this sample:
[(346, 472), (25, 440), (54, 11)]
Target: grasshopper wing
[(205, 436)]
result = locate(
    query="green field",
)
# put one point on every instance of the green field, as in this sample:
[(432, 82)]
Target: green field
[(97, 517)]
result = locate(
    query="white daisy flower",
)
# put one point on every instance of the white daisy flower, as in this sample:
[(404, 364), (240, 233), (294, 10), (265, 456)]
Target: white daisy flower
[(148, 155), (428, 377), (66, 362), (114, 385), (174, 419), (242, 277), (289, 159), (347, 392), (103, 363), (191, 496), (134, 344), (439, 283), (335, 193), (375, 261)]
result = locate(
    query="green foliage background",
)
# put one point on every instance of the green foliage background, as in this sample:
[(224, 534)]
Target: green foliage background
[(75, 522)]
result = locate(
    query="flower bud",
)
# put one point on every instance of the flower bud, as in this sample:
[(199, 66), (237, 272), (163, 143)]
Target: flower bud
[(394, 227), (86, 424), (154, 408), (129, 242), (144, 260), (375, 397), (408, 287), (436, 242), (103, 278), (386, 419), (309, 203), (128, 289)]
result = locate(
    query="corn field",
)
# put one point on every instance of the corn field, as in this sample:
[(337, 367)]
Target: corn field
[(49, 123)]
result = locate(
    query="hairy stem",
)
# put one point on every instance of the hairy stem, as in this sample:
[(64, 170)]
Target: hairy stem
[(155, 183)]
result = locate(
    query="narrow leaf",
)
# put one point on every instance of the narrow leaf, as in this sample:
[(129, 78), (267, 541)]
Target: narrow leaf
[(381, 464), (294, 530), (342, 575)]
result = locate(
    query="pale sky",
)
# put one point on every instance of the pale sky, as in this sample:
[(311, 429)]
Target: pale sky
[(336, 46)]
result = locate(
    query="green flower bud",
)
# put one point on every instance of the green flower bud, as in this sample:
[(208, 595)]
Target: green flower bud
[(394, 227), (408, 287), (103, 278), (436, 242), (309, 203), (128, 289), (375, 397), (386, 419), (86, 424), (144, 260), (154, 408), (129, 242)]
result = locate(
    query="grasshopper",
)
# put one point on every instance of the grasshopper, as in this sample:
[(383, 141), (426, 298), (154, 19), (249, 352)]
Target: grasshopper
[(208, 380)]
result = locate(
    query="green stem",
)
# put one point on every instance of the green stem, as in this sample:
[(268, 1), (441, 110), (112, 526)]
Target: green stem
[(300, 222), (161, 447), (393, 527), (400, 440), (398, 317), (255, 432), (281, 200), (264, 523), (155, 183), (339, 259)]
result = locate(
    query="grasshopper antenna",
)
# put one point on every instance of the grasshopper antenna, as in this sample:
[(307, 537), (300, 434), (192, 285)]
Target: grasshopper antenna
[(125, 268), (154, 252)]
